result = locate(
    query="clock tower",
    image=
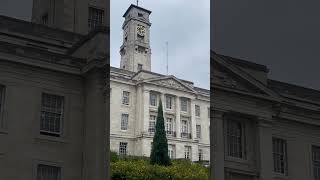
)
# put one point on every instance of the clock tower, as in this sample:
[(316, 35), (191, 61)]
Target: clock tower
[(135, 51)]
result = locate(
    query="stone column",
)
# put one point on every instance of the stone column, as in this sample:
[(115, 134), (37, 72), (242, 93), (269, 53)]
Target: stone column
[(177, 108), (96, 134), (217, 143), (163, 101), (145, 110), (193, 120), (264, 129)]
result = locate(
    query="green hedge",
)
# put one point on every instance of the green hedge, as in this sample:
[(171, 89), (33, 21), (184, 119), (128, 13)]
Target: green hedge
[(134, 168)]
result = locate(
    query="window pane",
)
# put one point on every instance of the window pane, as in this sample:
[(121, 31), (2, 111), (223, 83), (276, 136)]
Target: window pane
[(187, 152), (169, 102), (125, 98), (152, 124), (234, 139), (1, 97), (197, 109), (124, 121), (200, 155), (123, 148), (45, 172), (51, 114), (184, 104), (95, 17), (316, 162), (279, 155), (198, 129), (153, 99)]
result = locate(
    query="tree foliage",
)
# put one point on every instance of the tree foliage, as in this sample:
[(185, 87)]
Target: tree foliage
[(159, 152)]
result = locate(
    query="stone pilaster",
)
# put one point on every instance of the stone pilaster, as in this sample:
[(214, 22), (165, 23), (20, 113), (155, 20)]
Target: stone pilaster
[(177, 108), (95, 135), (217, 143), (264, 130), (193, 120), (145, 110)]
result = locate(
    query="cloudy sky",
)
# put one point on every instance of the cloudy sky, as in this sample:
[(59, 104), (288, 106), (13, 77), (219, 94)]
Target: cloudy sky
[(284, 35), (20, 9), (185, 24)]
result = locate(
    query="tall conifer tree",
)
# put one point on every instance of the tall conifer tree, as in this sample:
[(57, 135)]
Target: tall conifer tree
[(159, 152)]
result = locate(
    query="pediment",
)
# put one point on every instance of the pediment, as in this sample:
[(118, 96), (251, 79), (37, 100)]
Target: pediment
[(229, 76), (170, 82), (223, 78)]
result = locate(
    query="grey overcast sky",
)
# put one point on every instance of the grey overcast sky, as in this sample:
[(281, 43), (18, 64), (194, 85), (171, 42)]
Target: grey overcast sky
[(20, 9), (185, 24), (284, 35)]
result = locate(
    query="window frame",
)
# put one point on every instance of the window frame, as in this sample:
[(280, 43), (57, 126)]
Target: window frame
[(198, 131), (140, 66), (284, 159), (153, 94), (126, 148), (62, 115), (188, 152), (239, 152), (59, 173), (3, 89), (45, 18), (151, 121), (197, 110), (314, 171), (171, 106), (122, 122), (171, 151), (98, 21), (184, 126), (182, 100), (200, 154), (169, 126), (125, 98), (36, 162)]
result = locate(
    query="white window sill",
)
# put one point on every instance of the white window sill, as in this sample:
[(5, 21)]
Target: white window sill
[(125, 105)]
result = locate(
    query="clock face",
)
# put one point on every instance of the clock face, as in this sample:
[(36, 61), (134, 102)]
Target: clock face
[(141, 30)]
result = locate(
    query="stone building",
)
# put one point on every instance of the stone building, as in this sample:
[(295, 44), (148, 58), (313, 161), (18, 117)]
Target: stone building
[(136, 92), (262, 129), (79, 16), (53, 95)]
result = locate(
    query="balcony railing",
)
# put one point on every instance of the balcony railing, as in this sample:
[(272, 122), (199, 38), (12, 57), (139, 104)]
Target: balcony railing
[(171, 133), (151, 130), (186, 135)]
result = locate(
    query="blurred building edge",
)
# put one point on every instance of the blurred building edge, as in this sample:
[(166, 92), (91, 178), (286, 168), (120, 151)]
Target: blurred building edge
[(54, 92), (262, 129)]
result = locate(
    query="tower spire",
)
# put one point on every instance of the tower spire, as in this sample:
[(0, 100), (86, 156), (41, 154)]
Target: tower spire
[(137, 2)]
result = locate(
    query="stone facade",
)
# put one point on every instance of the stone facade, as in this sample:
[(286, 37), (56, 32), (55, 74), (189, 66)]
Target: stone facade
[(262, 129), (132, 123), (53, 110), (70, 15)]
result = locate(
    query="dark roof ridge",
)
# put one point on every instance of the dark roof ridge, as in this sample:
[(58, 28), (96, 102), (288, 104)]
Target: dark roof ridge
[(243, 63), (295, 85), (39, 27)]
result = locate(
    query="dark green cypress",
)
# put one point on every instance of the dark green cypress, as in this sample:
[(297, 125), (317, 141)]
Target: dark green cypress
[(159, 152)]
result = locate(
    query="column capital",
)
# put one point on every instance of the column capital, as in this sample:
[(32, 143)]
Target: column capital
[(264, 121), (216, 113)]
